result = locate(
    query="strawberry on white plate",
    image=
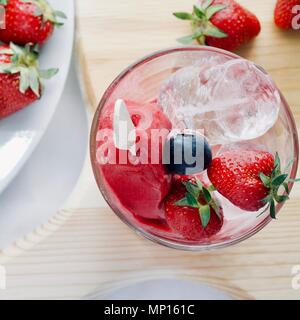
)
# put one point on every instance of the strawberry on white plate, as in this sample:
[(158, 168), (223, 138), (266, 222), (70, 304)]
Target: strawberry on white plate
[(21, 132)]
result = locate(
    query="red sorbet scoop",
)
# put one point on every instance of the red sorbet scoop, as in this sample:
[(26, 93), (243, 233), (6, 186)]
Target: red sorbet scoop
[(140, 187)]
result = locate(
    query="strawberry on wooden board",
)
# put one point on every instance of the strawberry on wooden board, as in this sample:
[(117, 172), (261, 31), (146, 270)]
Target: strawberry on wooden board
[(220, 23), (250, 179), (192, 212), (285, 12), (20, 78), (29, 21)]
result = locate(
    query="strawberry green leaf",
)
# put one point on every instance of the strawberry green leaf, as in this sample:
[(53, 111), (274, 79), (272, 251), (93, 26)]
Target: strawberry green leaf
[(186, 39), (212, 188), (211, 11), (201, 39), (281, 199), (213, 31), (17, 50), (199, 184), (34, 81), (3, 2), (286, 187), (183, 15), (265, 180), (279, 180), (294, 180), (267, 199), (27, 49), (44, 10), (289, 164), (264, 211), (192, 189), (277, 163), (192, 201), (199, 12), (14, 70), (274, 184), (272, 209), (182, 203), (60, 14), (5, 68), (197, 192), (206, 4), (24, 60), (200, 19), (36, 49), (204, 212), (216, 207), (207, 195), (58, 24), (48, 74), (24, 80)]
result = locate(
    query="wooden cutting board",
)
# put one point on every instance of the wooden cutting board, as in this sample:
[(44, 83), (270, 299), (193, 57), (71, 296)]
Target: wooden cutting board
[(85, 246)]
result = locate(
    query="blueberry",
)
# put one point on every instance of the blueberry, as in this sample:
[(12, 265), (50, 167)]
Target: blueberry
[(187, 153)]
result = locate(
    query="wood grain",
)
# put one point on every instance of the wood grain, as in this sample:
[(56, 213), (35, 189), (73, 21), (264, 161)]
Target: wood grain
[(79, 256), (113, 34), (85, 246)]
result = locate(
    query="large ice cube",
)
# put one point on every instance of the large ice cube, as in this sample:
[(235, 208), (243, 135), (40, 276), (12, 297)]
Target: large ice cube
[(231, 101)]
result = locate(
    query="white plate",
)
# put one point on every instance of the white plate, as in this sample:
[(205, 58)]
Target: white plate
[(25, 205), (162, 289), (21, 132)]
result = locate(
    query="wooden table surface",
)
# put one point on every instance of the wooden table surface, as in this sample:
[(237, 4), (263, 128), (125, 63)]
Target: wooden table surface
[(85, 246)]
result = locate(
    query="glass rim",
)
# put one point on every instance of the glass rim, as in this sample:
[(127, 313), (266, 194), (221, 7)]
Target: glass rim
[(158, 239)]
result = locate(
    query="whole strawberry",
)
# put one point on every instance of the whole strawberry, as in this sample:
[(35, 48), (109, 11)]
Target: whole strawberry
[(20, 78), (250, 179), (192, 212), (285, 12), (29, 21), (220, 23)]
